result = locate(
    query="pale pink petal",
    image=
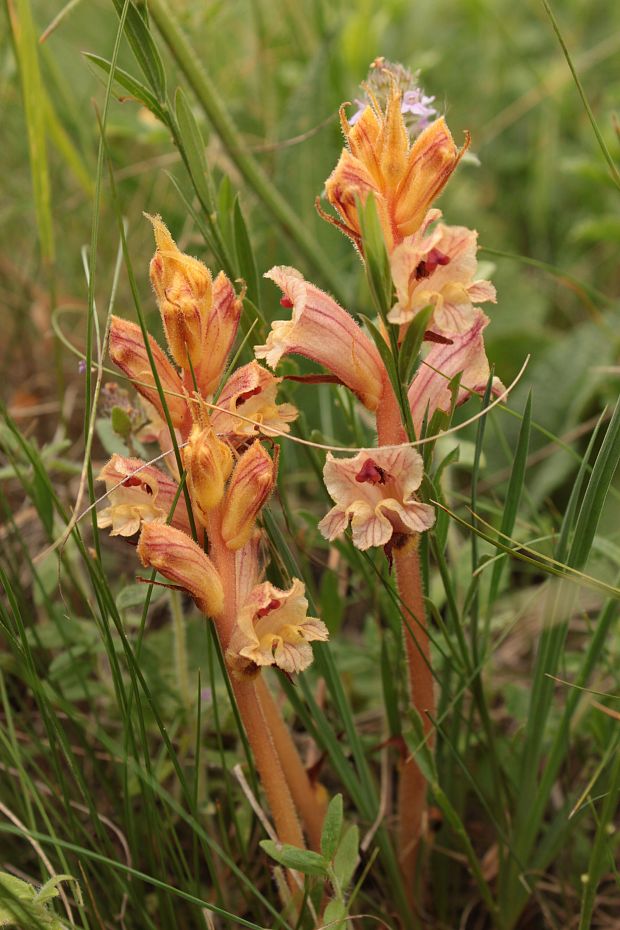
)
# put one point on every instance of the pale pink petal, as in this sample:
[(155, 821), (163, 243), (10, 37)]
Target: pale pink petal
[(333, 523), (322, 331)]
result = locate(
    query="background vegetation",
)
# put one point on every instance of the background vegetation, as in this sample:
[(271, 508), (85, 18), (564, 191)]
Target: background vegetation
[(115, 769)]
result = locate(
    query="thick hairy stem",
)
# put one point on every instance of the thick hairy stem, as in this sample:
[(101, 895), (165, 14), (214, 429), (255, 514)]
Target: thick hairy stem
[(254, 720), (267, 762), (310, 807), (412, 788)]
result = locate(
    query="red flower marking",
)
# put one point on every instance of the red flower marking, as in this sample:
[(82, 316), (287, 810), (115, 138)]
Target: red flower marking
[(272, 605), (371, 473), (133, 481), (286, 302), (430, 263), (245, 395)]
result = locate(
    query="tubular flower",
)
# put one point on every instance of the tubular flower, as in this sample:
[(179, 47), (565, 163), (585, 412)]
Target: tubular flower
[(251, 392), (375, 491), (138, 494), (465, 355), (273, 629), (200, 317), (127, 350), (437, 269), (322, 331), (251, 483), (176, 556), (208, 462), (405, 179)]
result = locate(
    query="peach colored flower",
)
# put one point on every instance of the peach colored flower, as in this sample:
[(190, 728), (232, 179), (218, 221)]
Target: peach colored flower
[(251, 392), (176, 556), (273, 629), (437, 269), (405, 179), (321, 330), (375, 492), (127, 350), (137, 494), (466, 356)]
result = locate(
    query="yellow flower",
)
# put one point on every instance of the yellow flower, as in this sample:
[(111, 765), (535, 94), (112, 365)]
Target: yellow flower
[(405, 179), (273, 629)]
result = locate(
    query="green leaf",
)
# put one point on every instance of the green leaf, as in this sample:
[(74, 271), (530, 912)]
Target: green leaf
[(27, 54), (144, 48), (334, 915), (121, 422), (245, 254), (129, 83), (384, 351), (347, 856), (192, 147), (513, 494), (376, 257), (412, 343), (332, 827), (291, 857)]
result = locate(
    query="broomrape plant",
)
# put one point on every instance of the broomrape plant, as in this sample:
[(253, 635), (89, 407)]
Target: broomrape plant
[(201, 529)]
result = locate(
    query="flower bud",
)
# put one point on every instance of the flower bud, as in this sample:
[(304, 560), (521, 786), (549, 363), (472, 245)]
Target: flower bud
[(221, 324), (127, 350), (251, 484), (172, 553), (208, 462), (183, 288)]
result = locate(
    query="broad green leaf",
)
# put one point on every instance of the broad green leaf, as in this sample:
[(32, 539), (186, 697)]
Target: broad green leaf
[(332, 827), (302, 860), (334, 915), (347, 856)]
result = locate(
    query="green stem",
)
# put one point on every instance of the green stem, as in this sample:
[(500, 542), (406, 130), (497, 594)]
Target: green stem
[(180, 649), (189, 62)]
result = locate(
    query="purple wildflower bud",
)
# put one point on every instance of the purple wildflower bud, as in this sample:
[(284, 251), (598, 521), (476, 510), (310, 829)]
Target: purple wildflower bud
[(81, 366)]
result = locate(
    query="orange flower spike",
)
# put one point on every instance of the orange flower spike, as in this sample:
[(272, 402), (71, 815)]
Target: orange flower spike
[(251, 484), (183, 288), (208, 462), (405, 180), (176, 556), (200, 316), (127, 350)]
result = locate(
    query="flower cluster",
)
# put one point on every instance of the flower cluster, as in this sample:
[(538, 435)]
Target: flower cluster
[(229, 473), (432, 265)]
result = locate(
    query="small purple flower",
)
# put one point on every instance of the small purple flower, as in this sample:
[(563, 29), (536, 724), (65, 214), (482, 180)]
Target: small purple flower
[(81, 366), (416, 105), (419, 105)]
